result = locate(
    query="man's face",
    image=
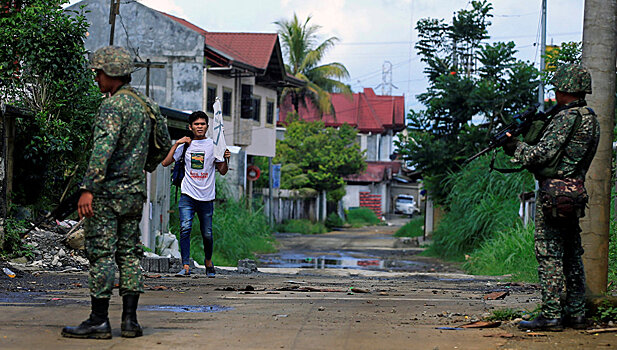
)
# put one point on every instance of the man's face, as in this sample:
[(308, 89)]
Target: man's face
[(103, 80), (199, 128)]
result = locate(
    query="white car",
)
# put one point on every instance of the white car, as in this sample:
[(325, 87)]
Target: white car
[(406, 204)]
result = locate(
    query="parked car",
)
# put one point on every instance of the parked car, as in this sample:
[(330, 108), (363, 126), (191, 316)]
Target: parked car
[(406, 204)]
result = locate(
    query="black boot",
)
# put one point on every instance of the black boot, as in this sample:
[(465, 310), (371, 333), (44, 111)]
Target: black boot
[(576, 322), (95, 327), (542, 323), (130, 327)]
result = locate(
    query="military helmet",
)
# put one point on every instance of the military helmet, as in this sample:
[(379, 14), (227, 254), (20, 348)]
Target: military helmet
[(572, 78), (115, 61)]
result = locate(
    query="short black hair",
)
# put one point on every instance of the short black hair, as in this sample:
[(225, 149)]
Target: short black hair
[(198, 115)]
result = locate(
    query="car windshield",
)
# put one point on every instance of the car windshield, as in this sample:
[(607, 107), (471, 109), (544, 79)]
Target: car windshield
[(405, 200)]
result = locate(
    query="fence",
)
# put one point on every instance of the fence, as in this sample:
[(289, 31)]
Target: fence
[(289, 204)]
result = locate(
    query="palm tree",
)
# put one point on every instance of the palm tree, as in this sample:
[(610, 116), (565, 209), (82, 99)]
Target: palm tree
[(303, 54)]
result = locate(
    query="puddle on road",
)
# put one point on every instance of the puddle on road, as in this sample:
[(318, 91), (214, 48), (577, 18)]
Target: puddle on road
[(186, 308), (339, 261)]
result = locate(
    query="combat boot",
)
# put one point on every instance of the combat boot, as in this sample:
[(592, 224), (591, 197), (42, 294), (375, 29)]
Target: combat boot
[(575, 322), (130, 327), (96, 326), (542, 323)]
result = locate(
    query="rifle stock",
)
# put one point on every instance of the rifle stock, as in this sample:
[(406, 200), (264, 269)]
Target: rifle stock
[(61, 212)]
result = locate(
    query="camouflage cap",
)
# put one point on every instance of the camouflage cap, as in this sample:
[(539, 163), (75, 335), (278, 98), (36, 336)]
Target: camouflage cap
[(115, 61), (572, 78)]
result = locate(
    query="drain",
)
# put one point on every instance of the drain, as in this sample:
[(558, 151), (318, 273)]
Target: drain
[(186, 308)]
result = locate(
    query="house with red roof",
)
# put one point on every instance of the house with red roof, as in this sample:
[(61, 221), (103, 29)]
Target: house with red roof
[(185, 68), (377, 118)]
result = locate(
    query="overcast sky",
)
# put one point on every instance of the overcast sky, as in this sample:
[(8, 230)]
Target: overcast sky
[(374, 31)]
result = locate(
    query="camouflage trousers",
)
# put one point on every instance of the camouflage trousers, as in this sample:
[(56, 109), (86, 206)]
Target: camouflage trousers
[(112, 237), (558, 251)]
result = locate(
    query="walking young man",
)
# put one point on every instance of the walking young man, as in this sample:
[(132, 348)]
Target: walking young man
[(112, 195), (198, 187)]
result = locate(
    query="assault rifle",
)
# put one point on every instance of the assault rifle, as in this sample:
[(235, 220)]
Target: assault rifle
[(61, 212), (520, 125)]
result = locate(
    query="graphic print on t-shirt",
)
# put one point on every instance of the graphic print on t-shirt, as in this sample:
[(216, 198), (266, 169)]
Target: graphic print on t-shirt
[(197, 160)]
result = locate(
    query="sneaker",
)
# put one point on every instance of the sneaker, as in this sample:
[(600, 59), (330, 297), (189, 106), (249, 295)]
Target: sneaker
[(210, 272), (183, 273)]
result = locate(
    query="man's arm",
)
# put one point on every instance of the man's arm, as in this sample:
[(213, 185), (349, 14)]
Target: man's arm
[(223, 167), (551, 142), (170, 156)]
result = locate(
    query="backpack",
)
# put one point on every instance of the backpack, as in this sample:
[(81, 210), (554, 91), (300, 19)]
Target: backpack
[(177, 173), (159, 142)]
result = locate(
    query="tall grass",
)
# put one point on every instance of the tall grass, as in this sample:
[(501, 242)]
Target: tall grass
[(413, 228), (359, 217), (238, 232), (303, 226), (507, 252), (480, 205)]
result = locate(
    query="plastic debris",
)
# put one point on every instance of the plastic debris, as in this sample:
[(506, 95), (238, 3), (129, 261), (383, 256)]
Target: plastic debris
[(8, 272)]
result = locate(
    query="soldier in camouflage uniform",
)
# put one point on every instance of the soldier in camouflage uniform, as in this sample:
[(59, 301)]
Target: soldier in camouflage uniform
[(559, 161), (113, 193)]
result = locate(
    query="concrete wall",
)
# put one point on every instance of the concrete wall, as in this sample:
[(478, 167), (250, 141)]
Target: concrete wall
[(352, 195)]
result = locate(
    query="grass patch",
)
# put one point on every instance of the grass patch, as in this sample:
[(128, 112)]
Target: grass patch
[(505, 314), (360, 217), (238, 232), (508, 252), (413, 228), (303, 226)]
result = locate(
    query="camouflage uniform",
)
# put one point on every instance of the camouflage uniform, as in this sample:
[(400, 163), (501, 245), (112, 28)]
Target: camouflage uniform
[(558, 243), (116, 178)]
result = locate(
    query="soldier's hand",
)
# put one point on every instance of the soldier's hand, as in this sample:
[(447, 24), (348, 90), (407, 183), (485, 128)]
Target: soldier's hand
[(510, 146), (84, 205)]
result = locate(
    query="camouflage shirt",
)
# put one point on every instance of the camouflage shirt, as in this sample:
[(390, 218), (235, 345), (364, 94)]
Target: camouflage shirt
[(121, 132), (578, 151)]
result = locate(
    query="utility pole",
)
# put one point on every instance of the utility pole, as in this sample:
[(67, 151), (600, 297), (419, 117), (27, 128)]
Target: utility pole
[(599, 53), (149, 64), (114, 9), (542, 53)]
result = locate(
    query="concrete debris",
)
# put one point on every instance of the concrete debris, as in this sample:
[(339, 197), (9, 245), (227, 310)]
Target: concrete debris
[(50, 251), (406, 242), (247, 266)]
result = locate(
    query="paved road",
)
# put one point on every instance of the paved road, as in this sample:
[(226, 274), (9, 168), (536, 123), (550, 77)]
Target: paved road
[(344, 307)]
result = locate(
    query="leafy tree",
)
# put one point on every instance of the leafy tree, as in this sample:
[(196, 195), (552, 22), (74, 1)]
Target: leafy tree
[(317, 157), (43, 68), (467, 79), (303, 53)]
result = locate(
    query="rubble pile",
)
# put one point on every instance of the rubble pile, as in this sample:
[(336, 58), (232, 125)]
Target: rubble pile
[(52, 252)]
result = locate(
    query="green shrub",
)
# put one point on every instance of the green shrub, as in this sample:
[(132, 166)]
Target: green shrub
[(508, 252), (480, 204), (413, 228), (12, 245), (238, 233), (359, 217), (303, 226), (333, 220)]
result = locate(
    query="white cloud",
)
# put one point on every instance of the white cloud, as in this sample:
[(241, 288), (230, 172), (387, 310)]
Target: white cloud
[(168, 6)]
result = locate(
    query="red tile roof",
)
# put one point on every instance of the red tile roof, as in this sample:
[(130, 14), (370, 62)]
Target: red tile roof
[(375, 172), (254, 49), (365, 110)]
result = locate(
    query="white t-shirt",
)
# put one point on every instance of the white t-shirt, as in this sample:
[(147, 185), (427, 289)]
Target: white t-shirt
[(198, 182)]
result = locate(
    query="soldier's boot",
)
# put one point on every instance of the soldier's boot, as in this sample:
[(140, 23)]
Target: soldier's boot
[(576, 322), (130, 327), (96, 326), (542, 323)]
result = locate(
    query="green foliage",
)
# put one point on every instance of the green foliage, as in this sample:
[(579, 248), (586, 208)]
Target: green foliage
[(303, 54), (479, 205), (507, 252), (303, 226), (568, 52), (506, 314), (605, 312), (318, 157), (43, 69), (359, 217), (238, 232), (12, 245), (441, 137), (333, 220), (413, 228)]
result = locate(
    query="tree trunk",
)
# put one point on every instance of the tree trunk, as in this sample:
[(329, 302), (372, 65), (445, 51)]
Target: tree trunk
[(599, 52)]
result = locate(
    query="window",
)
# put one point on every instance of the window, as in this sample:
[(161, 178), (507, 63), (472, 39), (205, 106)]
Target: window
[(270, 112), (246, 102), (256, 108), (227, 102), (211, 98)]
